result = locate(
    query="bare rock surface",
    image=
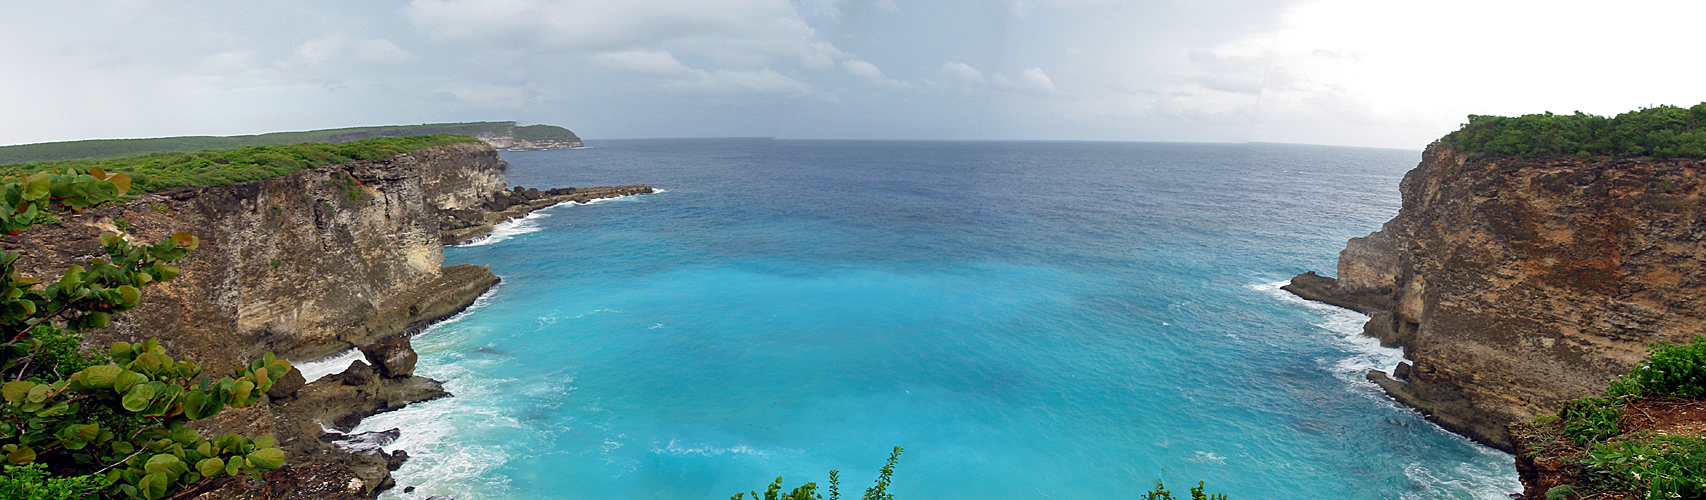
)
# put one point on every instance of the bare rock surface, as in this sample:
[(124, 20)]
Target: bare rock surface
[(1514, 284)]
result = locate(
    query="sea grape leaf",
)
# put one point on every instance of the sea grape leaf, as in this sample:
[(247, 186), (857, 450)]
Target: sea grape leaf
[(16, 391), (102, 376), (266, 458), (138, 398), (210, 467)]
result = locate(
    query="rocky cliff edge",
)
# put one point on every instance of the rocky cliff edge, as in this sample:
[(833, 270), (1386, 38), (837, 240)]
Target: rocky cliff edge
[(1516, 284)]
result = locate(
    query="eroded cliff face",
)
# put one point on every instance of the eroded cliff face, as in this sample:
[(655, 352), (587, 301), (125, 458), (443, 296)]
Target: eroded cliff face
[(302, 265), (1514, 285)]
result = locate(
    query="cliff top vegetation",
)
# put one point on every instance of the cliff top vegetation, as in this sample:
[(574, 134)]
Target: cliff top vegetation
[(1642, 440), (168, 171), (118, 148), (1658, 132)]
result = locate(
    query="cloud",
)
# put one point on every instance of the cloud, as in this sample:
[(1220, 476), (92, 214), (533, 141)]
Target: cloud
[(337, 48), (862, 68), (681, 79), (1030, 81), (724, 82), (644, 62), (751, 33), (962, 72)]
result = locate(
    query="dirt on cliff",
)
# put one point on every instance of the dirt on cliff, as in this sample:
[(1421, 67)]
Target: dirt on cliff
[(1545, 459), (1517, 284)]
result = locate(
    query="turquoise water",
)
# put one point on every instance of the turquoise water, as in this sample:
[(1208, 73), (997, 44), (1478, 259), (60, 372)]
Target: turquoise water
[(1029, 320)]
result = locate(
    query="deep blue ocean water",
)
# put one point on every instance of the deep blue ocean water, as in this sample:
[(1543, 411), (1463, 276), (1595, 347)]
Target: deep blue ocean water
[(1028, 319)]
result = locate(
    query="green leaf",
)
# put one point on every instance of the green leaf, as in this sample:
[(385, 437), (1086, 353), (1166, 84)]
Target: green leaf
[(103, 376), (129, 294), (194, 402), (126, 380), (211, 467), (185, 435), (16, 391), (240, 394), (88, 432), (39, 393), (147, 363), (138, 398), (153, 485), (265, 441), (56, 410), (21, 456), (161, 463), (185, 240), (37, 186), (266, 458)]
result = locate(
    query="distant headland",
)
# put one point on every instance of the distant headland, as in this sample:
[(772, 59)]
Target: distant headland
[(500, 135)]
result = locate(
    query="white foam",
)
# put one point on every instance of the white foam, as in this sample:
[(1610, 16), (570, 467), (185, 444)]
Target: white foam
[(336, 363), (1465, 480), (1484, 478), (1208, 457), (439, 464), (510, 229), (530, 223), (1365, 352), (676, 448)]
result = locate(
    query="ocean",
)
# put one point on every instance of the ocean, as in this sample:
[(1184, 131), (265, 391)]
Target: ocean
[(1027, 319)]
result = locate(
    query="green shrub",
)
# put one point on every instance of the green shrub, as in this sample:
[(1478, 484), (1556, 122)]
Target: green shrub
[(168, 171), (1670, 370), (1662, 467), (1590, 420), (808, 491), (1655, 466), (1661, 132), (31, 482), (120, 417), (1160, 493)]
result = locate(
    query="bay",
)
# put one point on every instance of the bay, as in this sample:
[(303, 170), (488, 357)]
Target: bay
[(1027, 319)]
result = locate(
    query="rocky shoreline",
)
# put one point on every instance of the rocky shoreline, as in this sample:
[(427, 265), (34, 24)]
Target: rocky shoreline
[(307, 265), (461, 226)]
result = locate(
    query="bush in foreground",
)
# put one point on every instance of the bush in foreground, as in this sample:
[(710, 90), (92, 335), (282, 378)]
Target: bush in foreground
[(879, 491), (1611, 458), (74, 423)]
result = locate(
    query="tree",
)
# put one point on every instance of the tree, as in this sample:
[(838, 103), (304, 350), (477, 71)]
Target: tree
[(112, 422)]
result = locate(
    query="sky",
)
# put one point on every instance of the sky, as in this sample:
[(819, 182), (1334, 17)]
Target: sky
[(1395, 74)]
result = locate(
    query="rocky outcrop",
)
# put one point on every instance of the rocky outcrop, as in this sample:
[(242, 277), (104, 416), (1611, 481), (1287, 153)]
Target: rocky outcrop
[(303, 265), (512, 143), (1515, 284), (459, 226), (332, 459)]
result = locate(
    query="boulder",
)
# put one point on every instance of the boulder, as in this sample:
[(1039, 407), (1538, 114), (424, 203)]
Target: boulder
[(287, 385), (393, 357), (1402, 372), (358, 373)]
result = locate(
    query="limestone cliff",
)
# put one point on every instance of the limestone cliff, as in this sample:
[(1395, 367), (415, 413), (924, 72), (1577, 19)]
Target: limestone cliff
[(303, 265), (510, 143), (1516, 284)]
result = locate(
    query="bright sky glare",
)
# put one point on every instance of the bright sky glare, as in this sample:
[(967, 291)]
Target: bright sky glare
[(1394, 73)]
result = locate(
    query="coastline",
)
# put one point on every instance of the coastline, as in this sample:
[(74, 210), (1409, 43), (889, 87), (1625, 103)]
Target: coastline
[(463, 227)]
